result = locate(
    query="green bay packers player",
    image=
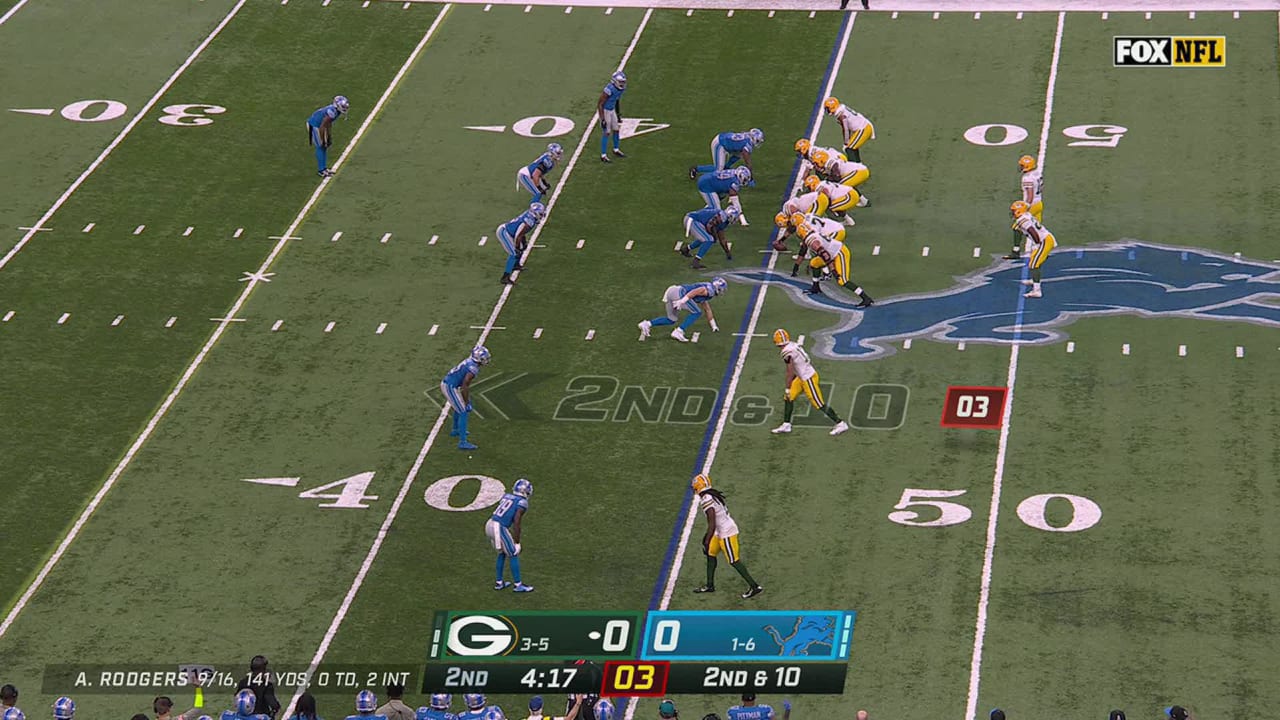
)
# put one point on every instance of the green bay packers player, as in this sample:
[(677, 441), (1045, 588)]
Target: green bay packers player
[(830, 255), (801, 378), (721, 537), (1040, 242), (805, 150), (825, 228), (855, 127), (1032, 195), (833, 198), (843, 172)]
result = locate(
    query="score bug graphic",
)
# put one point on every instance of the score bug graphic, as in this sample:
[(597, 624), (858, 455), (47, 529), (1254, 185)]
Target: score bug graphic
[(534, 634), (980, 408)]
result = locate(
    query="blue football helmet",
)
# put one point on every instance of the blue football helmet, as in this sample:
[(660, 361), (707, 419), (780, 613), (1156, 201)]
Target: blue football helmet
[(535, 704), (246, 701), (757, 135), (474, 701), (480, 354), (523, 488), (719, 285), (494, 713), (441, 701), (619, 80), (64, 708), (604, 710), (342, 103), (14, 713), (366, 701), (555, 150)]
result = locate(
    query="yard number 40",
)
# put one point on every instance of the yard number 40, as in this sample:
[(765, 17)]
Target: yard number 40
[(1085, 513)]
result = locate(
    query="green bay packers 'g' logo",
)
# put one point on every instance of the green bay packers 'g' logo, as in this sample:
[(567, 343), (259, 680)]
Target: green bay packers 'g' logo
[(481, 635)]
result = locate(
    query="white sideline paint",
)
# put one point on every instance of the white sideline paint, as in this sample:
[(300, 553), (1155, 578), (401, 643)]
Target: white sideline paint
[(1239, 351), (12, 10), (223, 324), (137, 118), (730, 392), (1124, 349), (9, 316), (967, 6), (1002, 451), (376, 547)]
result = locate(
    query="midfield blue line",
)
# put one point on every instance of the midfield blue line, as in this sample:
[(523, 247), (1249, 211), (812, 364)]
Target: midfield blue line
[(656, 598)]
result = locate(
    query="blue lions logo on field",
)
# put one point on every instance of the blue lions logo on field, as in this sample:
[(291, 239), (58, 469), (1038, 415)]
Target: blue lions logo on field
[(986, 306)]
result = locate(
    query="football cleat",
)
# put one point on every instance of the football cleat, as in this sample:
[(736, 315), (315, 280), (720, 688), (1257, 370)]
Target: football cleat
[(523, 488), (644, 326), (619, 80), (1027, 163), (618, 152), (701, 482), (441, 701), (693, 172), (781, 220), (1019, 207), (474, 701), (831, 104), (678, 334), (811, 183), (604, 710), (1035, 293), (697, 264), (782, 429), (802, 146), (719, 285), (684, 250), (754, 591), (64, 708), (604, 158), (366, 701), (757, 136), (464, 445), (840, 427), (480, 354), (1013, 256), (246, 701), (520, 588), (501, 585), (325, 173), (342, 104), (705, 589), (781, 337)]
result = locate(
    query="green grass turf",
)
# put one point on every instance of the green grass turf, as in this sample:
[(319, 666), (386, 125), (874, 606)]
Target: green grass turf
[(1171, 572), (86, 61), (80, 397)]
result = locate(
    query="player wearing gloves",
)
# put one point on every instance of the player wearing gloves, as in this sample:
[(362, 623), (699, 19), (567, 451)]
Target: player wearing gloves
[(694, 299)]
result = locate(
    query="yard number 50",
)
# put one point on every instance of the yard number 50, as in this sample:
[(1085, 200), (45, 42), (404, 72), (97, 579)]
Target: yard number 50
[(1085, 513)]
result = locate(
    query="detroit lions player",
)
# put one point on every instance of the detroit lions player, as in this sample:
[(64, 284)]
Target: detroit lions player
[(728, 148), (439, 708), (456, 387), (749, 710), (246, 701), (707, 227), (729, 183), (607, 108), (319, 132), (694, 298), (478, 708), (512, 236), (503, 530), (13, 713), (366, 706), (533, 177), (64, 708)]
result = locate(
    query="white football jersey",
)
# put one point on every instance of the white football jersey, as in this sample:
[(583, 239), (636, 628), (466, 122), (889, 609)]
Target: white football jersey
[(725, 526), (850, 120), (826, 227), (835, 191), (838, 168), (798, 359), (827, 248), (1026, 223), (800, 204), (1033, 181)]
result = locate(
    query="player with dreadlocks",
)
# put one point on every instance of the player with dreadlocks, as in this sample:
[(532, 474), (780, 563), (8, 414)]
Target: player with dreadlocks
[(721, 537)]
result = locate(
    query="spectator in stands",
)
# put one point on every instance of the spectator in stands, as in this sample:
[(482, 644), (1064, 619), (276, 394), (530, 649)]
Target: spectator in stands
[(259, 680), (8, 697), (306, 708), (163, 709), (395, 709)]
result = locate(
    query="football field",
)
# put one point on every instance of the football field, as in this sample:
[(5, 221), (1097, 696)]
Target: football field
[(223, 433)]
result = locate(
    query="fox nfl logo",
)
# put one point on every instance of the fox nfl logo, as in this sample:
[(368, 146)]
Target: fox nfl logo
[(1171, 51)]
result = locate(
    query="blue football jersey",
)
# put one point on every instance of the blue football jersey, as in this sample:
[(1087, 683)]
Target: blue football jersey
[(545, 163), (751, 712), (328, 111), (460, 371), (715, 220), (370, 716), (612, 94), (720, 182), (736, 142), (520, 223), (433, 714), (233, 715), (505, 514), (686, 289)]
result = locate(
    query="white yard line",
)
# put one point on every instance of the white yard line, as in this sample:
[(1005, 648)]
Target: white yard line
[(412, 475), (5, 18), (213, 338), (965, 6), (137, 118), (1002, 452)]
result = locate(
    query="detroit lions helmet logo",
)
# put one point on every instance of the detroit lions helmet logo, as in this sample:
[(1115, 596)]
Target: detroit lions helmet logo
[(986, 306)]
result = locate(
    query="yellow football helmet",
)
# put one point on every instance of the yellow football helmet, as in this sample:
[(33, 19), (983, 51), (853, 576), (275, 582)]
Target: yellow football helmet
[(803, 230), (1027, 163), (781, 219), (781, 337), (701, 482), (831, 104), (820, 158), (802, 146), (797, 219), (811, 183), (1019, 207)]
